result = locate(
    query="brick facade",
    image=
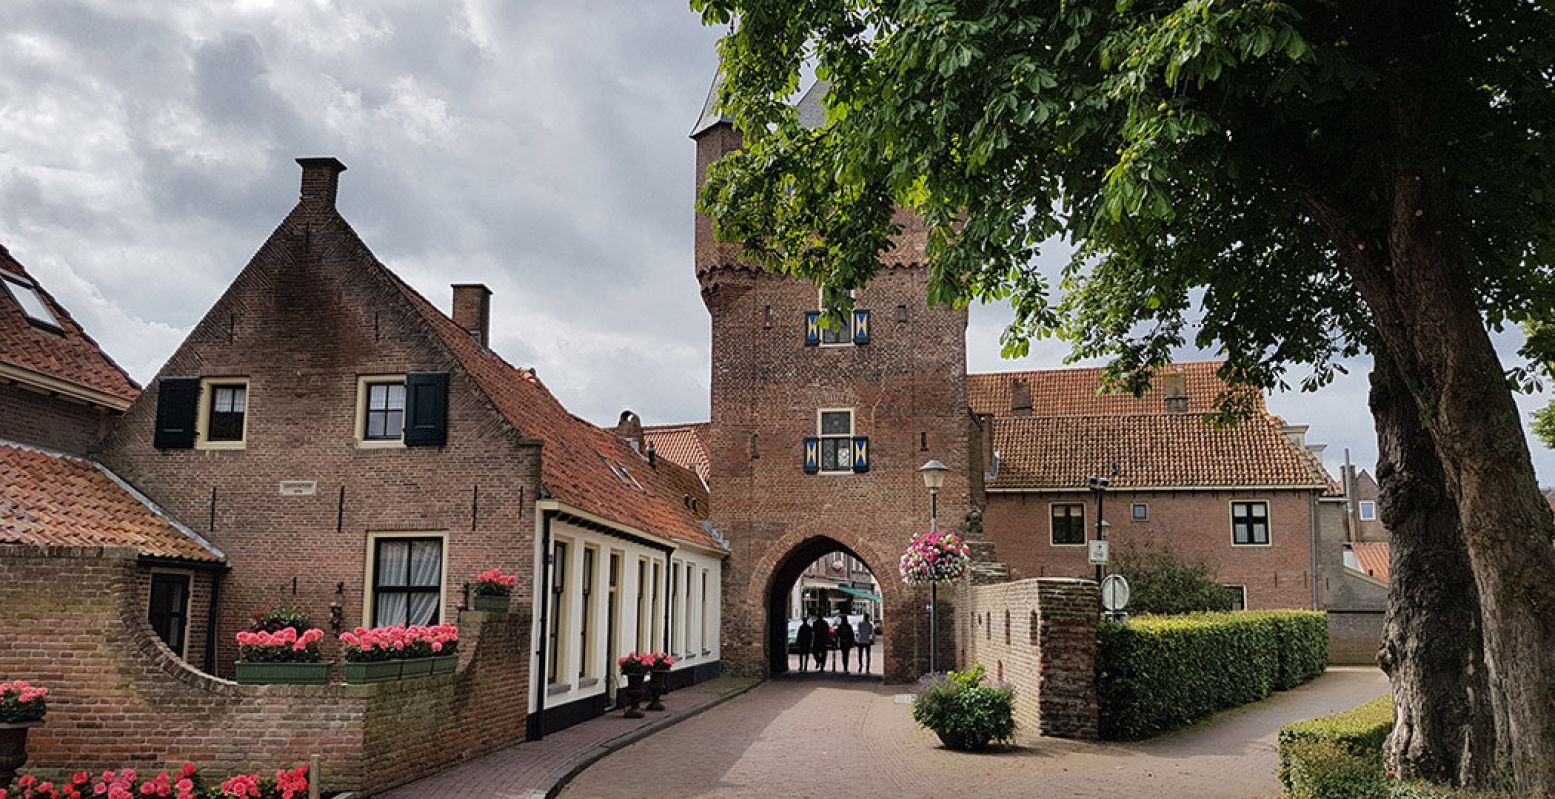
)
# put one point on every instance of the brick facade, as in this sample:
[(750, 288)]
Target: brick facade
[(906, 389), (31, 417), (1039, 636), (310, 314), (119, 698), (1193, 525)]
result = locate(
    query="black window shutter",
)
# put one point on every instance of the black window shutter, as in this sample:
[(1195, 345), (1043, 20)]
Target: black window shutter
[(426, 409), (178, 404)]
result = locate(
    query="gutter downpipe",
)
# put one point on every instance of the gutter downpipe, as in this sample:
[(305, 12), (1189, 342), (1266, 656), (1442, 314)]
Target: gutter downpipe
[(537, 721), (1316, 537)]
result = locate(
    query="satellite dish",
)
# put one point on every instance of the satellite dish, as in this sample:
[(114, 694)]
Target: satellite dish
[(1114, 593)]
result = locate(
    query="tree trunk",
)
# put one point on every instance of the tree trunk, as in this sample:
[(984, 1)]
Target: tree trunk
[(1432, 650)]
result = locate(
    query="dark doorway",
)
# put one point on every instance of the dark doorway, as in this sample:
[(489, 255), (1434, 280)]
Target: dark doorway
[(835, 592)]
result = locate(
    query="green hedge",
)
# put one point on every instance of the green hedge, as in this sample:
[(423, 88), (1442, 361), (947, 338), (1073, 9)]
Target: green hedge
[(1158, 673), (1340, 757)]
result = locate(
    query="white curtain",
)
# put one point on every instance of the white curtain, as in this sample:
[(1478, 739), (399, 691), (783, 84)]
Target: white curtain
[(425, 570)]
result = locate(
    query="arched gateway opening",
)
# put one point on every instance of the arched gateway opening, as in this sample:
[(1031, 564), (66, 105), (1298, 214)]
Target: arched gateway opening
[(822, 575)]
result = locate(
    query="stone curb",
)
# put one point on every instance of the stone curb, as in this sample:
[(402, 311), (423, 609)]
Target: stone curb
[(592, 756)]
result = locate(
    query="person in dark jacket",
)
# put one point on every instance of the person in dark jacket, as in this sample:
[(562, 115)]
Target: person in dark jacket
[(820, 642), (866, 645), (844, 640), (802, 641)]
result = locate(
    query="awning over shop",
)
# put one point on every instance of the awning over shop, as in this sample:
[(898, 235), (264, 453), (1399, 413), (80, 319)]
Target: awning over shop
[(858, 593)]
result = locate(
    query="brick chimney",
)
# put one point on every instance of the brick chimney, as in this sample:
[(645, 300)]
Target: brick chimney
[(630, 427), (472, 311), (320, 179), (1020, 398), (1175, 385)]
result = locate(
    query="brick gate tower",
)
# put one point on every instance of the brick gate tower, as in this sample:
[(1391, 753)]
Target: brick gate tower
[(816, 435)]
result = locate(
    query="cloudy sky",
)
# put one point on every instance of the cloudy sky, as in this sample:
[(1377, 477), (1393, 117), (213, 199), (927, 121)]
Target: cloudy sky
[(539, 147)]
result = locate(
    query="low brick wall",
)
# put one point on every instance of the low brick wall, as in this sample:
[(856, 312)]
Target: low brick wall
[(1040, 636), (118, 697)]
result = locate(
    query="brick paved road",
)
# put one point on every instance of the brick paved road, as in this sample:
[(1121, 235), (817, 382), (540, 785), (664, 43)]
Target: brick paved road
[(800, 737)]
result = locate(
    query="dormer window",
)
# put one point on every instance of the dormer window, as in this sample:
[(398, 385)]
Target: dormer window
[(25, 293)]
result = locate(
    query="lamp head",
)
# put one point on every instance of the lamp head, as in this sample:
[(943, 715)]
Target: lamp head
[(933, 474)]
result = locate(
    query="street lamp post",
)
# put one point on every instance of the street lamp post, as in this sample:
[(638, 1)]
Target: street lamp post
[(1099, 485), (933, 479)]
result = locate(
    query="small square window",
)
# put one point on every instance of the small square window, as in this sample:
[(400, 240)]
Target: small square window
[(229, 405), (1368, 510), (385, 417), (1250, 523), (26, 294), (1141, 512), (1238, 594), (1068, 524)]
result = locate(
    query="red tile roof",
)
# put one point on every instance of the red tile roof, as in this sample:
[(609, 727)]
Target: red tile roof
[(685, 444), (61, 500), (1155, 451), (68, 355), (573, 461), (1077, 392), (1373, 557)]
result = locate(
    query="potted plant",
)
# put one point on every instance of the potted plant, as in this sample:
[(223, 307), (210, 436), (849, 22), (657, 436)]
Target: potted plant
[(370, 655), (278, 618), (22, 707), (635, 665), (284, 657), (658, 682), (963, 712), (383, 654), (494, 590)]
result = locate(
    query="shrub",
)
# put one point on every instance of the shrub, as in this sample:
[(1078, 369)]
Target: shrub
[(1340, 757), (1158, 673), (279, 618), (1161, 584), (965, 713)]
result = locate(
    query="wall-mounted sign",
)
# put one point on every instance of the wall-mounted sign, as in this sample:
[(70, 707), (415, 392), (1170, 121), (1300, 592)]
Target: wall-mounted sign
[(299, 488)]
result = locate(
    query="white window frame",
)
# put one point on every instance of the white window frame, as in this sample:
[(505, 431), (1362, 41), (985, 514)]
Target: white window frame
[(369, 602), (820, 457), (1367, 510), (1268, 521), (202, 419), (1085, 530), (1241, 588), (362, 441)]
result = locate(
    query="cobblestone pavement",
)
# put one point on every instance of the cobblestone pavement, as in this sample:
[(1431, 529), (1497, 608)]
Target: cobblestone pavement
[(821, 736), (533, 768)]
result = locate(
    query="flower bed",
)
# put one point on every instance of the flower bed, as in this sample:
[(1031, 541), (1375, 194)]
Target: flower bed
[(186, 783), (934, 557), (384, 654), (1158, 673), (21, 702)]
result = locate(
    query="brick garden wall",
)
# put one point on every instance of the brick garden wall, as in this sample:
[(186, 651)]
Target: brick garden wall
[(75, 622), (1040, 636)]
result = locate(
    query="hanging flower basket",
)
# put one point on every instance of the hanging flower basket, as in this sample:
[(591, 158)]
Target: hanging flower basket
[(935, 557)]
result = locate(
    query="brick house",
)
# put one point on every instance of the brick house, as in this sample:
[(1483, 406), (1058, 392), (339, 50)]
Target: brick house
[(359, 455), (59, 393)]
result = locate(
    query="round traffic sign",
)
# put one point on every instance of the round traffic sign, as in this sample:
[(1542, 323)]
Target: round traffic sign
[(1114, 592)]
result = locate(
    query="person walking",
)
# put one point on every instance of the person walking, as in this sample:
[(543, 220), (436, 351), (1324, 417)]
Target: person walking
[(802, 640), (820, 642), (866, 645), (844, 640)]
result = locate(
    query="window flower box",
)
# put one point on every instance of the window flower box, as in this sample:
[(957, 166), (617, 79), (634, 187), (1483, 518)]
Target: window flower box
[(492, 604), (493, 590), (363, 673), (316, 673), (419, 667), (445, 664)]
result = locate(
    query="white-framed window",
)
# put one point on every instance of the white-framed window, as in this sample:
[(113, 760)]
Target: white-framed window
[(586, 631), (1140, 512), (1368, 510), (560, 607), (643, 620), (407, 578), (1238, 594), (380, 411), (168, 607), (222, 422), (1250, 523), (30, 300), (703, 614), (1067, 524), (835, 429), (841, 334)]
